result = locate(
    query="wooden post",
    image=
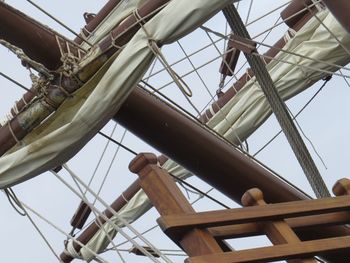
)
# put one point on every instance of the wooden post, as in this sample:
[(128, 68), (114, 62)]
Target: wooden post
[(279, 232), (342, 187), (169, 200)]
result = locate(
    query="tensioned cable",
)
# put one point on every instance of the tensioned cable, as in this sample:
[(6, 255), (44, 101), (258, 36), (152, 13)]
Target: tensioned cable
[(61, 231), (102, 155), (279, 109), (261, 43), (132, 229), (296, 115), (59, 22), (93, 208), (15, 82), (294, 118), (155, 226), (110, 165), (135, 153), (330, 31), (11, 193), (85, 200), (195, 120), (215, 103)]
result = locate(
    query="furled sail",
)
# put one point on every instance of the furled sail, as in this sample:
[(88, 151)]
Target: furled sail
[(320, 45), (78, 119)]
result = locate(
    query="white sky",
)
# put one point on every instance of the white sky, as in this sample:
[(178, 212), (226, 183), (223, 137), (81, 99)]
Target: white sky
[(324, 122)]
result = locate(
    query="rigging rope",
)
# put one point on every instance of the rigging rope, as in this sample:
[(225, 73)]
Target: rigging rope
[(278, 107)]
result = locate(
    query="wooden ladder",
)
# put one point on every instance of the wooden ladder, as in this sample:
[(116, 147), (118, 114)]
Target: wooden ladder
[(202, 235)]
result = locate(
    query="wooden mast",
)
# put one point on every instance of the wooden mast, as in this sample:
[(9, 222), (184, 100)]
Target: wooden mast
[(166, 139)]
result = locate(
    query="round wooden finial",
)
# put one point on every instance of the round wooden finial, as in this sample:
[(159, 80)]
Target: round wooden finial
[(141, 160), (341, 187), (253, 197)]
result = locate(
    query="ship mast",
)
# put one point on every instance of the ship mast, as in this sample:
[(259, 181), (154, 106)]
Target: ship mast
[(216, 156)]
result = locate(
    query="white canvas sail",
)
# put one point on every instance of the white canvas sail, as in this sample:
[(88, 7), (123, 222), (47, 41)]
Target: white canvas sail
[(246, 111)]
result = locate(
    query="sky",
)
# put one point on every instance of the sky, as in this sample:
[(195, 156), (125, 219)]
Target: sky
[(324, 123)]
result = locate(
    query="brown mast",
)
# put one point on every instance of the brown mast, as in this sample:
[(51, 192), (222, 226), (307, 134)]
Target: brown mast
[(163, 142)]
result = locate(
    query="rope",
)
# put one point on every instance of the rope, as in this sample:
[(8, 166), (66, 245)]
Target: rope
[(278, 107), (132, 229), (28, 61)]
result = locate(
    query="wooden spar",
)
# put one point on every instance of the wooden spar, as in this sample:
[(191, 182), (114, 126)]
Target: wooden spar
[(242, 81), (165, 141), (341, 10), (37, 41), (61, 86), (208, 157), (97, 20)]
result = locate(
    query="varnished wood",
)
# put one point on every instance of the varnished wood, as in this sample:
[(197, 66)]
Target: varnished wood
[(278, 232), (253, 214), (299, 224), (342, 187), (279, 252), (169, 200)]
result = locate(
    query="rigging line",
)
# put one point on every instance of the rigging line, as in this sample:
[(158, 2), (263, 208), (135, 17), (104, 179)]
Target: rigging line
[(290, 17), (226, 36), (86, 201), (118, 143), (329, 31), (109, 221), (102, 155), (155, 226), (198, 191), (15, 205), (166, 252), (59, 22), (294, 117), (184, 58), (15, 82), (220, 109), (110, 165), (328, 72), (26, 214), (194, 119), (261, 43), (61, 231), (269, 13), (278, 106), (126, 224), (249, 12), (302, 56), (346, 80)]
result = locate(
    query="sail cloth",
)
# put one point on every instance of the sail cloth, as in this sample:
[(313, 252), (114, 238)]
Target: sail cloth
[(248, 109), (118, 14), (78, 119)]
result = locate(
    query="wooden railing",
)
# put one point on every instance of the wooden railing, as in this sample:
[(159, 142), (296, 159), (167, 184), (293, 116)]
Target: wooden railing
[(201, 235)]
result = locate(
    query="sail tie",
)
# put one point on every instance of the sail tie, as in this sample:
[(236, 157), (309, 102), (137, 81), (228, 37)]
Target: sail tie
[(185, 89)]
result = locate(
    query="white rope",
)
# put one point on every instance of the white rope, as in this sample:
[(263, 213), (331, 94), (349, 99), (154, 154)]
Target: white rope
[(23, 57), (101, 157), (85, 200), (61, 231), (133, 230)]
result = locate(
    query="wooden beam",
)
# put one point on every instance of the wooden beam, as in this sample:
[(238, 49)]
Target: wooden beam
[(169, 200), (253, 214), (280, 252)]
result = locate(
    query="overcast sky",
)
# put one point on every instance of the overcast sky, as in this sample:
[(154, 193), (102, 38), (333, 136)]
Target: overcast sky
[(325, 123)]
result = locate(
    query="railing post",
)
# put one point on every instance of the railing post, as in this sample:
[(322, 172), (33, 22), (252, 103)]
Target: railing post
[(169, 200), (341, 187), (279, 232)]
